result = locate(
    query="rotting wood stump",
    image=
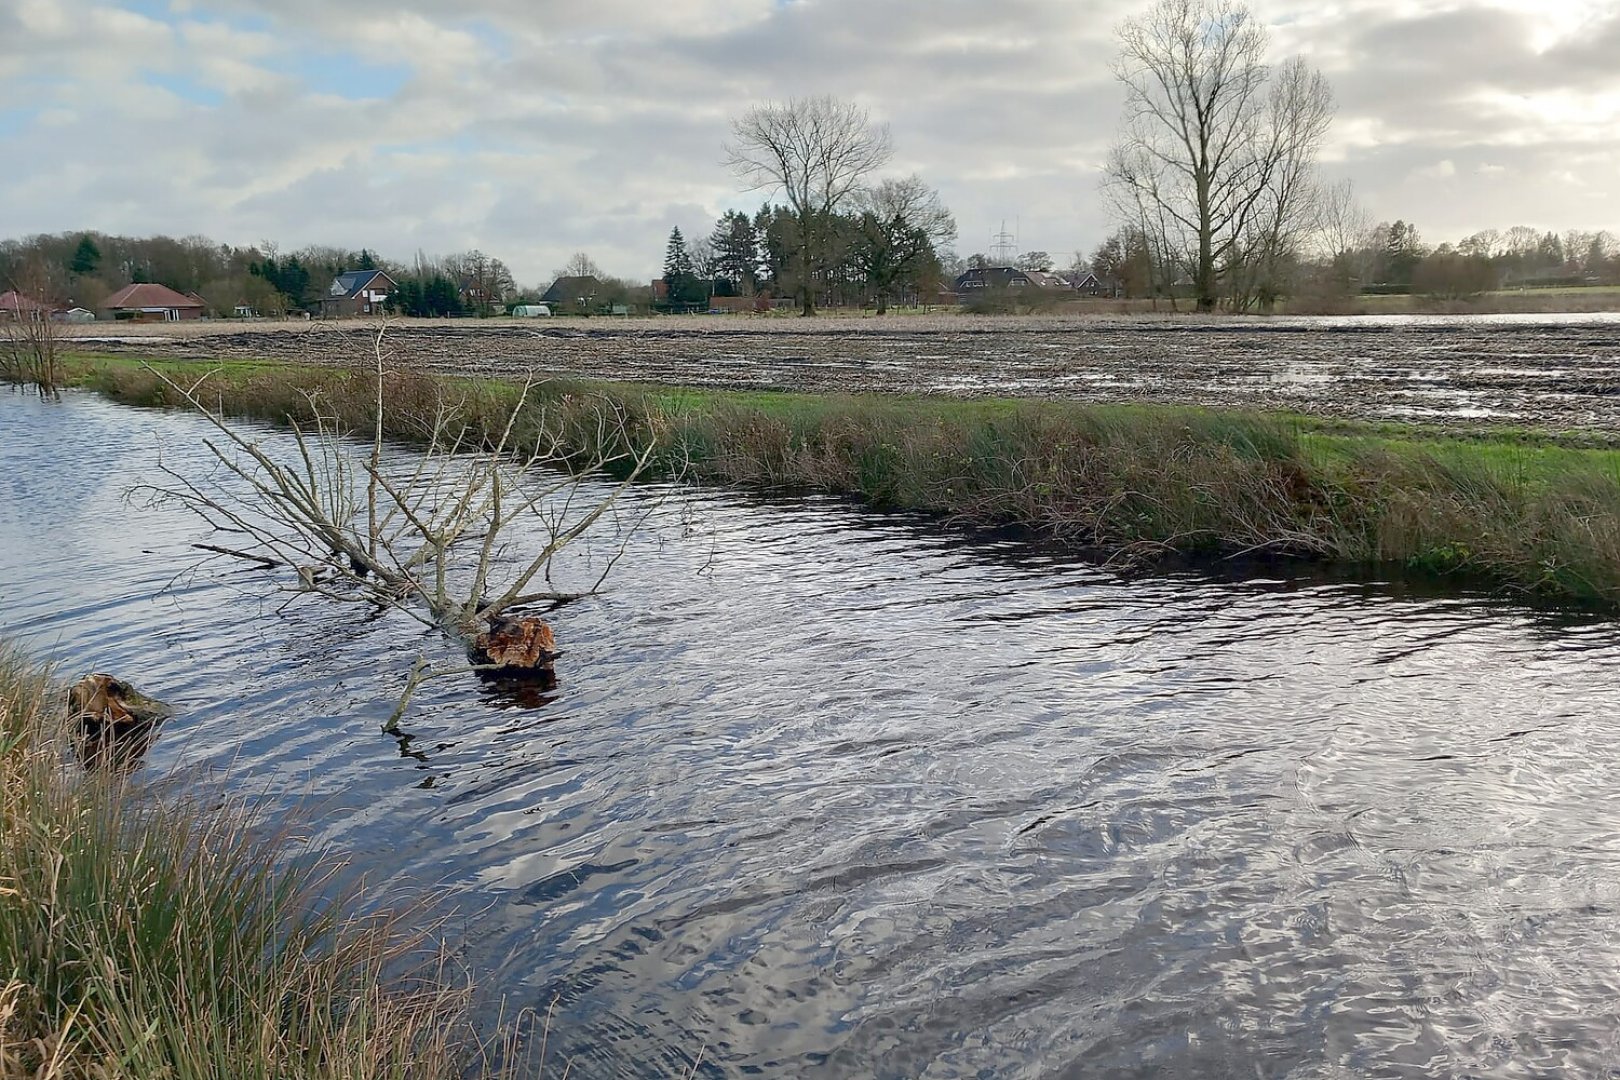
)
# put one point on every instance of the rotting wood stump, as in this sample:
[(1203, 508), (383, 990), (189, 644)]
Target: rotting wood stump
[(516, 646), (112, 724)]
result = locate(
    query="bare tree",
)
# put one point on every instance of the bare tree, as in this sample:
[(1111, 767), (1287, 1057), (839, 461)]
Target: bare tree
[(704, 260), (485, 282), (1208, 163), (816, 151), (433, 541), (579, 265), (29, 346), (1299, 111), (903, 226), (1342, 230)]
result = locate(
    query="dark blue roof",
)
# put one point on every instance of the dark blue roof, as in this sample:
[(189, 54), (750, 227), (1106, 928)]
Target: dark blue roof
[(351, 283)]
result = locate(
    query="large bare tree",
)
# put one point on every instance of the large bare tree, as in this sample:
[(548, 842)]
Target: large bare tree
[(1214, 157), (816, 151)]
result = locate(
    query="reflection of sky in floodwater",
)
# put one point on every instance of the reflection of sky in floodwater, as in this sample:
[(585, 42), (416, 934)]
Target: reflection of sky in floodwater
[(841, 794)]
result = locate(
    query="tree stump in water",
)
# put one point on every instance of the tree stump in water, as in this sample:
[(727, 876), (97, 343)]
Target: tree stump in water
[(517, 646), (113, 724)]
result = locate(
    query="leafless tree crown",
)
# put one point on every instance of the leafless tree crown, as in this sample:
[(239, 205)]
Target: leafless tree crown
[(909, 200), (1215, 159), (816, 150)]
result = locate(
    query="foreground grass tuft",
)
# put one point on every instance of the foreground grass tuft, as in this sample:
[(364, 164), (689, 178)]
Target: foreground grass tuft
[(1129, 482), (143, 937)]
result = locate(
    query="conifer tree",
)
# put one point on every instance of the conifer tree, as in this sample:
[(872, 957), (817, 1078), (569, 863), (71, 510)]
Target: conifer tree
[(86, 257), (679, 276)]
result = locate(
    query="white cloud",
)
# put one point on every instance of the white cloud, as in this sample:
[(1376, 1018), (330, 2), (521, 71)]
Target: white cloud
[(1440, 170)]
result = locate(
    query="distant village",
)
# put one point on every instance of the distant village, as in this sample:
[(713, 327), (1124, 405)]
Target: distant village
[(745, 265), (88, 277)]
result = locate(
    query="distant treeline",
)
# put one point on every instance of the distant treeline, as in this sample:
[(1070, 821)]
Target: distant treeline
[(865, 257), (85, 268), (1384, 259)]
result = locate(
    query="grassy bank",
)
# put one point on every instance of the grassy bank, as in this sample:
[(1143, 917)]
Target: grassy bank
[(147, 937), (1130, 482)]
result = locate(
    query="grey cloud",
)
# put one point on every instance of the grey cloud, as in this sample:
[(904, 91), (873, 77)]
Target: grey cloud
[(532, 130)]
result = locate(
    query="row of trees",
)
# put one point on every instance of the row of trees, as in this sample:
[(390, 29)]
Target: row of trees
[(836, 232), (889, 242), (1386, 257)]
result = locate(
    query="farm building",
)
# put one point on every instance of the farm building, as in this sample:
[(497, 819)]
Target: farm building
[(74, 315), (1087, 284), (1007, 277), (572, 292), (150, 302), (357, 292), (531, 311), (15, 306)]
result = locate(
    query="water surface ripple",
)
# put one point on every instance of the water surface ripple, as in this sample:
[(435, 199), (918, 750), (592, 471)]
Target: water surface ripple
[(826, 793)]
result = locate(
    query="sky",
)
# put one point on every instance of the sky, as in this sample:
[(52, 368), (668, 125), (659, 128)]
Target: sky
[(531, 129)]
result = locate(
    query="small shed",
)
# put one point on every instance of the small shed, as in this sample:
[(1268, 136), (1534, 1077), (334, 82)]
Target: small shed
[(75, 315), (532, 311)]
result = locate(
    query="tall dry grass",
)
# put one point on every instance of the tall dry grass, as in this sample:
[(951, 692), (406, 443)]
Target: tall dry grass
[(154, 937), (1129, 482)]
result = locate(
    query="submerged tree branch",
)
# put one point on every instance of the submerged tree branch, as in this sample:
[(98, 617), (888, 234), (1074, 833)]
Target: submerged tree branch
[(431, 542)]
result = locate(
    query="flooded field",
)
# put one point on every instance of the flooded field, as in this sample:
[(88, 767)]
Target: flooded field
[(1555, 372), (824, 793)]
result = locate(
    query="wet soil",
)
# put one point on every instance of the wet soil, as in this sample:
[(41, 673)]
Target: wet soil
[(1558, 373)]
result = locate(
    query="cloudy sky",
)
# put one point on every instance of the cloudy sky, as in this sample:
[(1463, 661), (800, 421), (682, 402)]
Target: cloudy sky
[(535, 128)]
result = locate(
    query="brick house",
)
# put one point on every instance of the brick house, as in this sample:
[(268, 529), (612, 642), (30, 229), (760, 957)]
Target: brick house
[(357, 292)]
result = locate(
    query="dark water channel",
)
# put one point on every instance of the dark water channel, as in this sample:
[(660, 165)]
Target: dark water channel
[(824, 793)]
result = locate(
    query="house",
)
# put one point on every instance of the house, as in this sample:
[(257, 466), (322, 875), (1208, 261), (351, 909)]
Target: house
[(150, 302), (14, 306), (1006, 277), (357, 292), (572, 293), (1087, 284)]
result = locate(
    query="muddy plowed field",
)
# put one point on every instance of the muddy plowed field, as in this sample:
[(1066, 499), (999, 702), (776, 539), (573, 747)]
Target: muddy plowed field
[(1557, 373)]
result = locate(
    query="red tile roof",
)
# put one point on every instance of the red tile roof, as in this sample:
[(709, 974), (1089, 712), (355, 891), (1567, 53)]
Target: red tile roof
[(148, 295), (11, 300)]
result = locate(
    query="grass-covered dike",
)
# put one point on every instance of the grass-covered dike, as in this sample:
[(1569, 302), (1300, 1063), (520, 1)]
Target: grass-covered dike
[(1129, 483)]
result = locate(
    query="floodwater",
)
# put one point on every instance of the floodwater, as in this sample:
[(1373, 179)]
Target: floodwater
[(1555, 372), (827, 793)]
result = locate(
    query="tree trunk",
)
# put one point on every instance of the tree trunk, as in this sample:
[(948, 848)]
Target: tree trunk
[(516, 646), (1206, 275), (882, 303)]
